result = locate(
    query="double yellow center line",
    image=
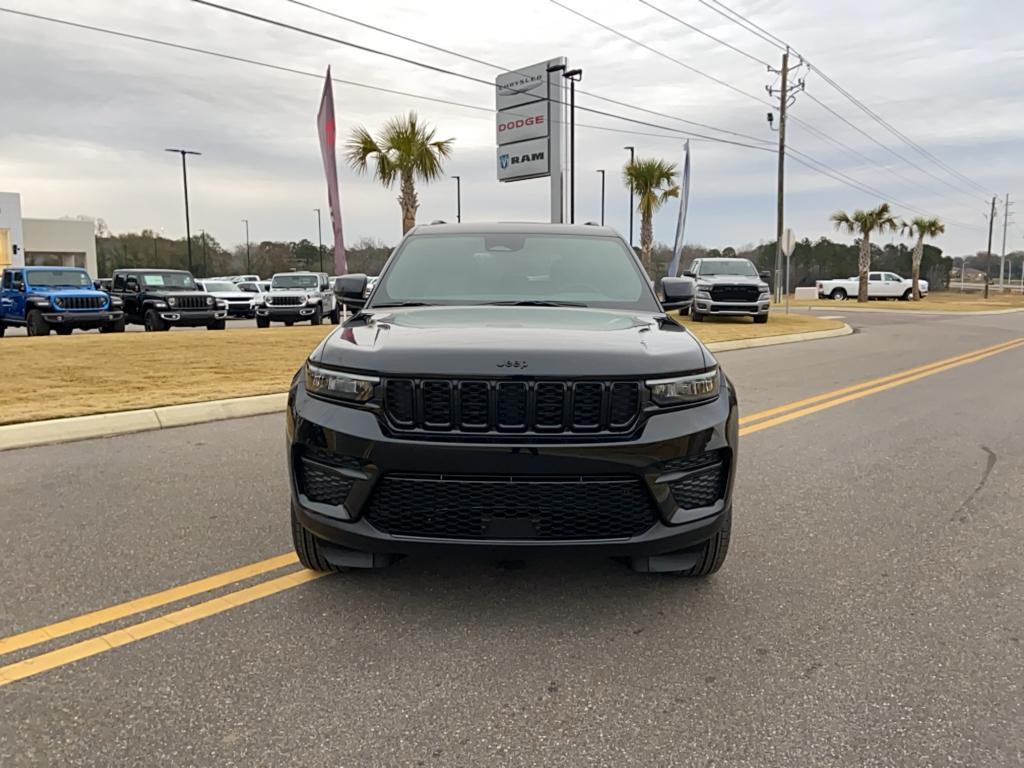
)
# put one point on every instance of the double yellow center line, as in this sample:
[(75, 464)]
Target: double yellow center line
[(34, 665)]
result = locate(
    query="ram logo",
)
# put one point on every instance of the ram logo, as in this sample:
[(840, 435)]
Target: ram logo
[(503, 161), (525, 158)]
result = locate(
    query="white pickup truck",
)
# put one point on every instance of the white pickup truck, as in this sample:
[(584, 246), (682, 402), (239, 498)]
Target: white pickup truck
[(881, 285)]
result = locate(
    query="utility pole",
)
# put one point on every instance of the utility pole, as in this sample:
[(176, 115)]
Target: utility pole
[(184, 177), (601, 171), (248, 252), (206, 263), (320, 237), (1002, 257), (632, 157), (458, 198), (779, 210), (988, 251)]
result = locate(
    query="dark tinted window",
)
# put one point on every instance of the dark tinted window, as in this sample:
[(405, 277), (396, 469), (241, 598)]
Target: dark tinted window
[(479, 269)]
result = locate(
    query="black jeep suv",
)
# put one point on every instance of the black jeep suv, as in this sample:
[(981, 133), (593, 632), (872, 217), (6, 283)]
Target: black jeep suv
[(512, 390), (160, 299)]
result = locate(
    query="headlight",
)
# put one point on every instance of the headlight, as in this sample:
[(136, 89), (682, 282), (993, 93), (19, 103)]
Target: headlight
[(115, 301), (765, 295), (338, 384), (685, 389), (312, 299), (209, 301), (703, 295), (160, 304), (172, 301)]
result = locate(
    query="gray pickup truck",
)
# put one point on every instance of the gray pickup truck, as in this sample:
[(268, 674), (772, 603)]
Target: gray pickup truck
[(729, 287)]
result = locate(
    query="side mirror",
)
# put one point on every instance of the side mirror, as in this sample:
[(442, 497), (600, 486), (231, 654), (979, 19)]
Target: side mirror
[(688, 273), (97, 285), (351, 290), (18, 285), (765, 275), (679, 292)]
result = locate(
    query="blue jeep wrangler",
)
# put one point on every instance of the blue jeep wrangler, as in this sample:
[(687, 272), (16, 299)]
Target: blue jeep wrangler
[(60, 299)]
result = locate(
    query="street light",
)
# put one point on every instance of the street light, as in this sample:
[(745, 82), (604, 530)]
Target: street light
[(632, 157), (573, 76), (320, 235), (184, 178), (248, 253), (458, 198), (601, 171)]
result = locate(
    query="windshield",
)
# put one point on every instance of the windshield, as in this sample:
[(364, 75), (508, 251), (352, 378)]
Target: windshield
[(174, 281), (727, 267), (64, 278), (286, 282), (515, 268), (214, 286)]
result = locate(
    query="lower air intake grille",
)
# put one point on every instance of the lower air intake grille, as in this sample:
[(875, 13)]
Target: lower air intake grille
[(464, 507), (703, 483), (320, 480)]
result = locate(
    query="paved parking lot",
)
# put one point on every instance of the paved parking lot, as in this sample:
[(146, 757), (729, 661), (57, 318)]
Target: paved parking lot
[(869, 614)]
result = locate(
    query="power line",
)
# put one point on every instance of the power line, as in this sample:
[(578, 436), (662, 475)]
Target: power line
[(700, 31), (450, 72), (672, 132), (501, 68), (747, 24), (653, 50), (743, 21)]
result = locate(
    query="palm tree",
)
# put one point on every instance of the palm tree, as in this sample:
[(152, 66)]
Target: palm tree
[(653, 181), (405, 150), (920, 228), (863, 223)]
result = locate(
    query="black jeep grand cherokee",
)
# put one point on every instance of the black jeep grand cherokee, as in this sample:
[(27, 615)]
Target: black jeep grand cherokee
[(512, 390)]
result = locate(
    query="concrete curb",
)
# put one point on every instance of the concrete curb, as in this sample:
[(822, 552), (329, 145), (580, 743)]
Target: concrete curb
[(771, 341), (840, 308), (124, 422), (51, 431)]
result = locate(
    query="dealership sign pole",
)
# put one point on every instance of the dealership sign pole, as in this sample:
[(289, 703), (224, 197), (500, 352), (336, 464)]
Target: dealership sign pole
[(530, 118)]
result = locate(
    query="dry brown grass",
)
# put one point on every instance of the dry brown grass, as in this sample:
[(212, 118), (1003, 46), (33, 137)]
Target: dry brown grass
[(57, 376), (714, 329), (946, 301)]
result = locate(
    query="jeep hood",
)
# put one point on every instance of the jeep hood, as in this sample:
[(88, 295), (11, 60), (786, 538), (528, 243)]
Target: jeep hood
[(504, 341)]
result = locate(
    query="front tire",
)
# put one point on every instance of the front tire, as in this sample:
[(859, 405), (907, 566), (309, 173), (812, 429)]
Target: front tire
[(36, 325), (907, 295), (2, 329), (713, 555), (838, 294), (152, 321), (262, 322), (336, 315), (63, 330), (307, 547), (216, 325), (698, 317), (115, 327), (318, 316), (760, 318)]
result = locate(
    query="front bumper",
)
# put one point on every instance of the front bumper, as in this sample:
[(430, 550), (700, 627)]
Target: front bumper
[(355, 438), (300, 312), (734, 308), (192, 318), (83, 319)]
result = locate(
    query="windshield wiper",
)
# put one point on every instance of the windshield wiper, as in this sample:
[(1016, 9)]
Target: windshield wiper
[(533, 303), (402, 304)]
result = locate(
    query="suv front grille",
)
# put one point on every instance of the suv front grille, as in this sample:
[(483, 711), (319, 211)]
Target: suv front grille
[(735, 292), (191, 302), (79, 302), (547, 508), (703, 481), (285, 301), (511, 406)]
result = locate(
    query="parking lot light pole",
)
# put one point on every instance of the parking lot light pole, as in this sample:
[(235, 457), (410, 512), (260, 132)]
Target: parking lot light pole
[(573, 76), (184, 178), (632, 157), (248, 253), (601, 171), (320, 237), (458, 198)]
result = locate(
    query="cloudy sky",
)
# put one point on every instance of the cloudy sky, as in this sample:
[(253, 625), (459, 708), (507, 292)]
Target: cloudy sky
[(86, 116)]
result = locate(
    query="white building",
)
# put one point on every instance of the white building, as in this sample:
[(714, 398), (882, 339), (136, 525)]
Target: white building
[(44, 242)]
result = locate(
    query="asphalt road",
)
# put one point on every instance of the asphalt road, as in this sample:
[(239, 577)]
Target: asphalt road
[(870, 612)]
